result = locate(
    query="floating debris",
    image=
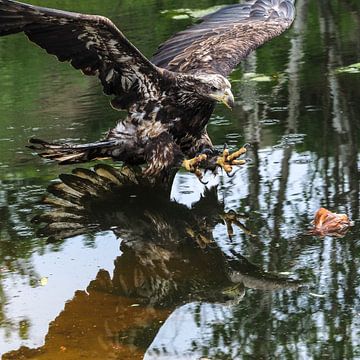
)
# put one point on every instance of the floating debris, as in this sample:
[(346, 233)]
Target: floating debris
[(350, 69), (269, 122), (186, 13), (329, 223), (311, 108), (302, 159), (285, 273), (290, 140), (316, 295), (43, 281), (220, 121), (257, 77), (278, 108)]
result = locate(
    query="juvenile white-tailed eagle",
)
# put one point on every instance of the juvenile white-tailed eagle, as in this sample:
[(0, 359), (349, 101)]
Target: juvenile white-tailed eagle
[(170, 98)]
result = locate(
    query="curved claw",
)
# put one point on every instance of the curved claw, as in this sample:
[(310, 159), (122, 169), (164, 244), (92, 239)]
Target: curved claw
[(210, 151), (229, 175)]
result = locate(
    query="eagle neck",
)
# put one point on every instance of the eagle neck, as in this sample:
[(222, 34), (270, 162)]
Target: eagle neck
[(194, 109), (188, 96)]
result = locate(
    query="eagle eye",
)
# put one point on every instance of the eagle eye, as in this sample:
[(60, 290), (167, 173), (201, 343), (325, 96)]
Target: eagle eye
[(214, 88)]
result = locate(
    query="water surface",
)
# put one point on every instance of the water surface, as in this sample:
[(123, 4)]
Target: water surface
[(152, 281)]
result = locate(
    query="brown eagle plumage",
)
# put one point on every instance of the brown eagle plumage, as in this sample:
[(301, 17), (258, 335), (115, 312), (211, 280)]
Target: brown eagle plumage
[(170, 98)]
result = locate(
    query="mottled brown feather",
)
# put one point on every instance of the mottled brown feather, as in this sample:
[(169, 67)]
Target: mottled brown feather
[(167, 110), (90, 43), (224, 38)]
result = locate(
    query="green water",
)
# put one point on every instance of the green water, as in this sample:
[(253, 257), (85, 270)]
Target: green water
[(152, 280)]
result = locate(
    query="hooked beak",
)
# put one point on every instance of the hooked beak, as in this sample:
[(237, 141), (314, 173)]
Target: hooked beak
[(227, 98)]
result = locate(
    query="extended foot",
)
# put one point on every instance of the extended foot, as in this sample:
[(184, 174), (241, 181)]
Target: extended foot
[(227, 160), (192, 165)]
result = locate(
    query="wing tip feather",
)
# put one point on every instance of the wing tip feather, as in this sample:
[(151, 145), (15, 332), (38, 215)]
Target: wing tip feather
[(176, 53)]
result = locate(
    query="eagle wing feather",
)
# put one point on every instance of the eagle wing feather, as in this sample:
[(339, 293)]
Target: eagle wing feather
[(224, 38), (90, 43)]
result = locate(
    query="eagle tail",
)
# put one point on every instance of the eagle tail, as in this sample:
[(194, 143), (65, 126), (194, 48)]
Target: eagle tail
[(72, 153)]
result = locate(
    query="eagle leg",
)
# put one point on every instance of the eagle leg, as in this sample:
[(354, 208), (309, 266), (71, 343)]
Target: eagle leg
[(226, 161), (192, 165), (161, 154)]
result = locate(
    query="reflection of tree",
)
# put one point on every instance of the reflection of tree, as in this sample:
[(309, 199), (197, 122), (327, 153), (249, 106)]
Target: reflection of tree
[(324, 106), (331, 177), (16, 245), (344, 167)]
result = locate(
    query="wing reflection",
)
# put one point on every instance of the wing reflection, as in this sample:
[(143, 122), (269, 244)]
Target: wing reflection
[(168, 250), (168, 258)]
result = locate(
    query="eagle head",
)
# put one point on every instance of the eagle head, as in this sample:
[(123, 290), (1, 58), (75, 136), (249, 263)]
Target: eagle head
[(215, 87)]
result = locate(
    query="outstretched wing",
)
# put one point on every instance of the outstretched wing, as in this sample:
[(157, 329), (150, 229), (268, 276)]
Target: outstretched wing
[(89, 42), (224, 38)]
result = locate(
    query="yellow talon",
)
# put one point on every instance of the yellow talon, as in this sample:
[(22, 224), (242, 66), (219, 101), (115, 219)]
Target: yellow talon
[(227, 160), (237, 154), (238, 162), (192, 165)]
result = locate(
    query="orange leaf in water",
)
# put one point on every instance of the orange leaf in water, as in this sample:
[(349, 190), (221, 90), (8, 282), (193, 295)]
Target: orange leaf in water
[(329, 223)]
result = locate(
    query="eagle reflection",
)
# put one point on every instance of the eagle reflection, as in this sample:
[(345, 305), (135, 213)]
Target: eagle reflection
[(168, 258), (168, 253)]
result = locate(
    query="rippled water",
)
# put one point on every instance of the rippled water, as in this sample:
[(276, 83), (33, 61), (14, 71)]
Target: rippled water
[(161, 279)]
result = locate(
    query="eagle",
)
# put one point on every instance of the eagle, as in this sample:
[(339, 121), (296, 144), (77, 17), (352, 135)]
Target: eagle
[(169, 99)]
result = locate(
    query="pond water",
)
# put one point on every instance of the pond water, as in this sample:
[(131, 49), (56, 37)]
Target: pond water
[(184, 279)]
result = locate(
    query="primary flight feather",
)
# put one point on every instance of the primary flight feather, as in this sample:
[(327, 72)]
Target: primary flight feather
[(170, 98)]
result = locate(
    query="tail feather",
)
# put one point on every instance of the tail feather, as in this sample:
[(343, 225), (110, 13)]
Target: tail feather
[(65, 159), (71, 153)]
